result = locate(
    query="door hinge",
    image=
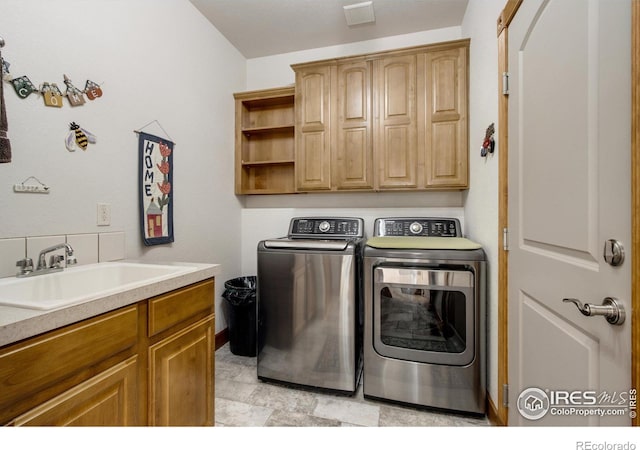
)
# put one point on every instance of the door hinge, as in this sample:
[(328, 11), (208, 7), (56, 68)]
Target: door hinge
[(505, 395), (505, 239), (505, 83)]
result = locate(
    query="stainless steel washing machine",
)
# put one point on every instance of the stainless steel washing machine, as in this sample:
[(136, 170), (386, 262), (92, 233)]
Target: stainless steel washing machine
[(309, 298), (424, 295)]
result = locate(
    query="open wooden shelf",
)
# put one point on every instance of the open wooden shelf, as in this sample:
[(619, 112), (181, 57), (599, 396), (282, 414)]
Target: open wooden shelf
[(265, 137), (267, 130), (267, 162)]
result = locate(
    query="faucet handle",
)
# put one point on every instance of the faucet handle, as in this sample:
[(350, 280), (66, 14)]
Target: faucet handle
[(26, 265), (55, 260)]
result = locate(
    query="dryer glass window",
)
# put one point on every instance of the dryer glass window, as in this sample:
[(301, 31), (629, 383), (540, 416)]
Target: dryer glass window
[(423, 319), (424, 314)]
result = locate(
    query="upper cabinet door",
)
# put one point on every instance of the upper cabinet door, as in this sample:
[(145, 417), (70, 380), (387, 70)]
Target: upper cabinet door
[(313, 134), (354, 159), (395, 142), (446, 118)]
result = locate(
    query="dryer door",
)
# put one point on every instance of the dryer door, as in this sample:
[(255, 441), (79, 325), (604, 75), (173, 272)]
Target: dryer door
[(424, 314)]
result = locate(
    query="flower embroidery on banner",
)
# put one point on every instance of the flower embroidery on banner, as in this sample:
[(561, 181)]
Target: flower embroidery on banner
[(163, 167), (164, 149), (165, 188)]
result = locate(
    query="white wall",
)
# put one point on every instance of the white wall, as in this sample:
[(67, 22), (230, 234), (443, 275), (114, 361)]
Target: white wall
[(273, 222), (481, 201), (273, 71), (156, 60)]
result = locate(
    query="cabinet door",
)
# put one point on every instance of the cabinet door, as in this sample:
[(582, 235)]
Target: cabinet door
[(446, 119), (181, 386), (35, 370), (108, 399), (313, 133), (173, 308), (354, 159), (395, 141)]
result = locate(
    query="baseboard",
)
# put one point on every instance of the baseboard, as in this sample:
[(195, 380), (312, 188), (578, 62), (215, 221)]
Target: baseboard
[(222, 338), (493, 415)]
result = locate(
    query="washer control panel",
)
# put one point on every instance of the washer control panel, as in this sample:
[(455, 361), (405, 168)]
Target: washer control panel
[(417, 226), (326, 227)]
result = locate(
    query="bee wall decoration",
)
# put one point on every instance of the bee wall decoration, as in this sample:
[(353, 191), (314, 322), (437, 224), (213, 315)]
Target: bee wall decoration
[(78, 138)]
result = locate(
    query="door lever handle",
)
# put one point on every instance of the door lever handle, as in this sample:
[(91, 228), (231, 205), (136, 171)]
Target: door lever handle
[(611, 309)]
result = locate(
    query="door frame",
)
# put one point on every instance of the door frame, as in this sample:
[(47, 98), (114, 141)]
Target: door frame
[(499, 412)]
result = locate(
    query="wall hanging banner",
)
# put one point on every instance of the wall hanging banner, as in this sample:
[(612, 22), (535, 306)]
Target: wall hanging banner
[(50, 92), (156, 189), (5, 144)]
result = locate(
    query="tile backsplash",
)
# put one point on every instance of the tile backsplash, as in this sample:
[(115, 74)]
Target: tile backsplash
[(85, 247), (110, 246), (88, 249), (11, 250)]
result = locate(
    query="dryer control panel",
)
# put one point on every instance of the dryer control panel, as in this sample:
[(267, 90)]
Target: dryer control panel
[(417, 226)]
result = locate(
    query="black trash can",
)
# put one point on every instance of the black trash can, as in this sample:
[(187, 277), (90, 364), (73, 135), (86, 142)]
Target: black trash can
[(240, 294)]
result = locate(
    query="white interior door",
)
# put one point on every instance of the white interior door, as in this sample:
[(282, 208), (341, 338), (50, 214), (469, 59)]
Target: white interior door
[(569, 192)]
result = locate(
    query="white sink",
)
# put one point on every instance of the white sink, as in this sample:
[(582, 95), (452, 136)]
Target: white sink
[(84, 283)]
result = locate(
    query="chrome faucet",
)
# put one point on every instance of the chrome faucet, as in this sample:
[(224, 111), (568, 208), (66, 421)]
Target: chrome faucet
[(55, 262), (26, 265)]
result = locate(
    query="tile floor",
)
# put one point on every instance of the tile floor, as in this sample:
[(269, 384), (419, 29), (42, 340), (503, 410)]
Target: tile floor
[(244, 401)]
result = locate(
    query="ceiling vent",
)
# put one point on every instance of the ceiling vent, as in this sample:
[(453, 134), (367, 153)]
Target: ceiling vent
[(359, 13)]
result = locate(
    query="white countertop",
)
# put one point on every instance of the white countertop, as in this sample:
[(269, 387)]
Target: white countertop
[(21, 323)]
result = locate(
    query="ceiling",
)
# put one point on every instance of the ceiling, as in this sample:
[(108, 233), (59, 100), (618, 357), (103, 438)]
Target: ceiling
[(269, 27)]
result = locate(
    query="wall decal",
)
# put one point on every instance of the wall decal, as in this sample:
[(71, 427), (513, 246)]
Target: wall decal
[(78, 138), (488, 143)]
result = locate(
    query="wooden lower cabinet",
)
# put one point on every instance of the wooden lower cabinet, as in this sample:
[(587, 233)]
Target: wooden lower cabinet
[(181, 388), (108, 399), (48, 366), (151, 363)]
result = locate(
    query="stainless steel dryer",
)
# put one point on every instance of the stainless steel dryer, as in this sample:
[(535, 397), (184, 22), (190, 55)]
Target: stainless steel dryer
[(424, 341), (309, 297)]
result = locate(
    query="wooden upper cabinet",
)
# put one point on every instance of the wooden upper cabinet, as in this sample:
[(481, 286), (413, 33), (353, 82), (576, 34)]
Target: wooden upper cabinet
[(393, 120), (334, 125), (313, 122), (353, 127), (395, 143), (446, 135)]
